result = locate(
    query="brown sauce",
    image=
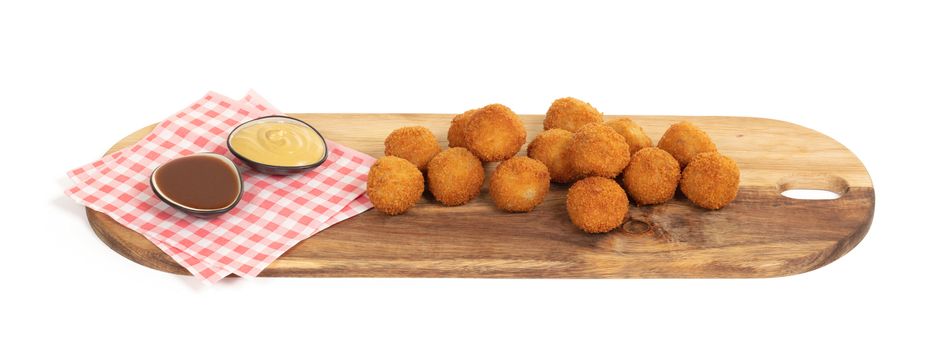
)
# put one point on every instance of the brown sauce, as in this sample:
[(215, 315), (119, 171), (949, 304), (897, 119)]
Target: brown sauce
[(199, 182)]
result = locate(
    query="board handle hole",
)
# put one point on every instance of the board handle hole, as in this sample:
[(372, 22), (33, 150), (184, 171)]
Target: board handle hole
[(820, 187), (635, 226)]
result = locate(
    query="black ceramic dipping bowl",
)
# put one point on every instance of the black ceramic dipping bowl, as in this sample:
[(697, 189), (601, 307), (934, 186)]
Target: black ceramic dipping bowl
[(277, 169), (201, 184)]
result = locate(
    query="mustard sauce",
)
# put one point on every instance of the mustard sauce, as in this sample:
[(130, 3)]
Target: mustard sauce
[(279, 144)]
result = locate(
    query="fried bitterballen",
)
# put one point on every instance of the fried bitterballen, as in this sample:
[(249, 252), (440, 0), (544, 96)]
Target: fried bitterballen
[(571, 114), (519, 184), (652, 176), (685, 141), (455, 176), (394, 185), (457, 130), (711, 180), (416, 144), (597, 204), (597, 150), (551, 148), (494, 133), (633, 134)]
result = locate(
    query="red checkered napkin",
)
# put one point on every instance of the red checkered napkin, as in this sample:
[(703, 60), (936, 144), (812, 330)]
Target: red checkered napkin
[(275, 213)]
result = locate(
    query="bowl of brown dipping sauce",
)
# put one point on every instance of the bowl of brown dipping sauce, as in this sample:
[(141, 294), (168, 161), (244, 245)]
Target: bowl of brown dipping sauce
[(201, 184), (278, 145)]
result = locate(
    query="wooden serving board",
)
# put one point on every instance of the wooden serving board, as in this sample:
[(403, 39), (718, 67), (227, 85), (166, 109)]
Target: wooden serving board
[(760, 234)]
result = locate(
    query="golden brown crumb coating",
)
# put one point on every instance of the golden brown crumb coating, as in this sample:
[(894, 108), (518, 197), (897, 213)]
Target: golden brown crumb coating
[(455, 176), (416, 144), (633, 134), (711, 180), (551, 148), (652, 176), (494, 133), (685, 141), (519, 184), (571, 114), (597, 204), (457, 130), (394, 185), (597, 150)]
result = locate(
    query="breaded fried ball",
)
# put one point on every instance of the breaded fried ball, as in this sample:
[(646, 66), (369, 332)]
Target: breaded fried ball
[(652, 176), (633, 133), (685, 141), (597, 150), (494, 133), (457, 130), (551, 148), (597, 204), (571, 114), (394, 185), (519, 184), (455, 176), (416, 144), (711, 180)]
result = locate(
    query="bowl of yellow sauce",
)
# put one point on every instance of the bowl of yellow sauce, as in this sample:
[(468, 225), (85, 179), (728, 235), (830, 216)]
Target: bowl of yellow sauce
[(278, 145)]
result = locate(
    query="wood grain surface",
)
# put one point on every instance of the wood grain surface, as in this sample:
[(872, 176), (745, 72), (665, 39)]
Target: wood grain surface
[(760, 234)]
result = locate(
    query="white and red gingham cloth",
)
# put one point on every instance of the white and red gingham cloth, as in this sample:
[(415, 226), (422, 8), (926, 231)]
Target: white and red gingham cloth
[(275, 213)]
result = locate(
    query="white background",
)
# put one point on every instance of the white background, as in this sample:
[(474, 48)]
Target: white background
[(76, 76)]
